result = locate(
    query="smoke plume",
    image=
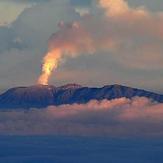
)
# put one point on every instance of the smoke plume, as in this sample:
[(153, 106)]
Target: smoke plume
[(117, 28), (71, 40)]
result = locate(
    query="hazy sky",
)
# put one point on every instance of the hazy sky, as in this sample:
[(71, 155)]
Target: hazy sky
[(26, 25)]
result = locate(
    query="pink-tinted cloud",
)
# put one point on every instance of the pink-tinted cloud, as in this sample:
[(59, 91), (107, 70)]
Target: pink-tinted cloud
[(119, 117)]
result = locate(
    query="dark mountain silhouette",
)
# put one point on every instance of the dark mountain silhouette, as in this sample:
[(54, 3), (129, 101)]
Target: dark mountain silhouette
[(40, 96)]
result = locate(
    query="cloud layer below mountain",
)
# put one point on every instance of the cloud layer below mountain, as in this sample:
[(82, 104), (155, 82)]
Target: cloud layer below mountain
[(119, 117)]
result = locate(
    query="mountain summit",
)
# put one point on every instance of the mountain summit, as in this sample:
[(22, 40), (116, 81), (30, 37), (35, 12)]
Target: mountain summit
[(40, 96)]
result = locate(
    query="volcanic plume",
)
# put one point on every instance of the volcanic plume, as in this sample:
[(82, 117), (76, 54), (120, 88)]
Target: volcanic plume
[(71, 40), (118, 29), (50, 63)]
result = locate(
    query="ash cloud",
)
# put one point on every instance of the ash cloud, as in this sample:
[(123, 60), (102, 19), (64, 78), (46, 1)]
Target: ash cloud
[(119, 117)]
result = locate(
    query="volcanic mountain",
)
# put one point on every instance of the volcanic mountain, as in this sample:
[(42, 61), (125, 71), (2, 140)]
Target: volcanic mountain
[(40, 96)]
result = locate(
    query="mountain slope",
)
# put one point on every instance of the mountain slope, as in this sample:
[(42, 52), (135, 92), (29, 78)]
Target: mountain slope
[(40, 96)]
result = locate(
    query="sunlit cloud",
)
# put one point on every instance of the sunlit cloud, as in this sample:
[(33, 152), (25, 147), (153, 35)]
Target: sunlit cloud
[(119, 117)]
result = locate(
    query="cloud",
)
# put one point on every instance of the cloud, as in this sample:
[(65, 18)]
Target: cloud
[(135, 61), (80, 3), (26, 29), (29, 40), (27, 1), (152, 5), (136, 32), (132, 36), (83, 3), (119, 117)]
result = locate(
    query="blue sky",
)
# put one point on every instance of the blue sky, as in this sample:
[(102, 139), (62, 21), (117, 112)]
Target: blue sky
[(26, 25)]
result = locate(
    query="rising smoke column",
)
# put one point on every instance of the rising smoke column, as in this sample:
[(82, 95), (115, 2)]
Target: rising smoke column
[(51, 61), (71, 40)]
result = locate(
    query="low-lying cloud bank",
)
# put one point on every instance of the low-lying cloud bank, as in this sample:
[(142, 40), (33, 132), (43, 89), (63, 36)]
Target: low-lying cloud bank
[(119, 117)]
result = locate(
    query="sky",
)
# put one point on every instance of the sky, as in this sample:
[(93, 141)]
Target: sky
[(27, 25)]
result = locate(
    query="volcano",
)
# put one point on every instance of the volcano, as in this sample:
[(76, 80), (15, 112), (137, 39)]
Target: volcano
[(41, 96)]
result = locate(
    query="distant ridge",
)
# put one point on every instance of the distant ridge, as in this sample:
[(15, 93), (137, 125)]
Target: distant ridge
[(40, 96)]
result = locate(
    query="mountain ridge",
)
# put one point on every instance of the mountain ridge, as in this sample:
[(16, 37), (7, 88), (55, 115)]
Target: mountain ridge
[(41, 96)]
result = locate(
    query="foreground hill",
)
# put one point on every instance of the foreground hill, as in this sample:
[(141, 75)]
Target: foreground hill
[(40, 96)]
